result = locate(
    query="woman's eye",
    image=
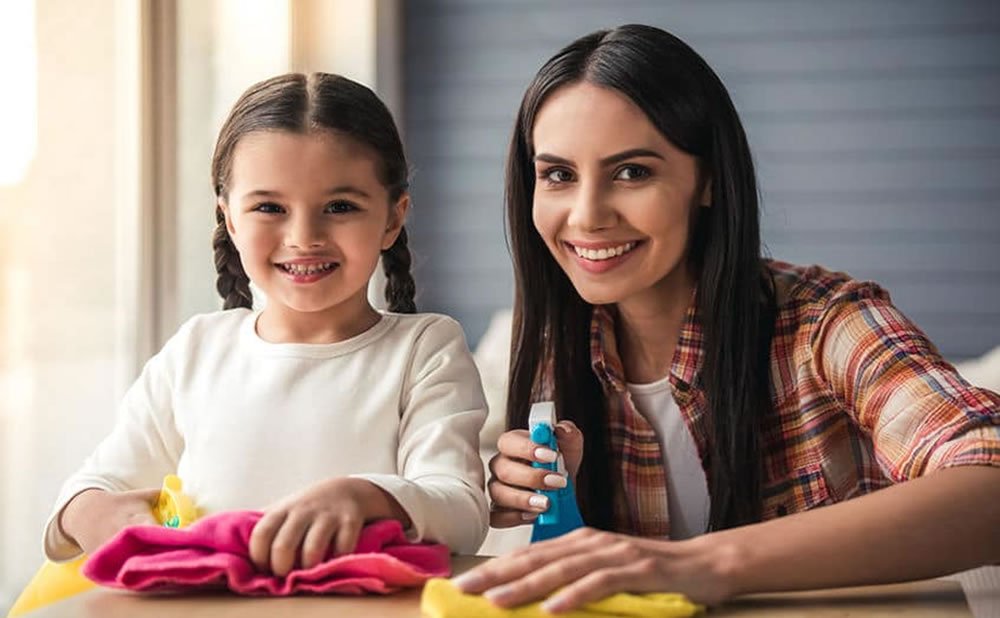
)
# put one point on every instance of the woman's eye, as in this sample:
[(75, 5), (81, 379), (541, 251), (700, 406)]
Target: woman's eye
[(632, 172), (340, 207), (557, 175), (268, 208)]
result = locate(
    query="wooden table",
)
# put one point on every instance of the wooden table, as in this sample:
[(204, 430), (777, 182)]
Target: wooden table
[(936, 598)]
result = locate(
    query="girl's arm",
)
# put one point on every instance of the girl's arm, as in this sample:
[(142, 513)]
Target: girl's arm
[(143, 447), (440, 475)]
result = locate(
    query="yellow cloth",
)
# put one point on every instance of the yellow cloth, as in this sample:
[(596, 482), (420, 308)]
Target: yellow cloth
[(53, 582), (56, 581), (441, 599)]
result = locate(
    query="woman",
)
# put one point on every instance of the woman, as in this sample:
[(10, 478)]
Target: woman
[(711, 399)]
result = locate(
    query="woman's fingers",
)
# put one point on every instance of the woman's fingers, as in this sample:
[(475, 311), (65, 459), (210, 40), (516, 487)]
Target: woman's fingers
[(529, 560), (517, 444), (509, 497), (519, 474), (639, 576), (607, 564), (509, 518), (570, 440)]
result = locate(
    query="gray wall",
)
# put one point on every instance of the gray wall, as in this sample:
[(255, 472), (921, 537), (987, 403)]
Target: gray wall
[(875, 126)]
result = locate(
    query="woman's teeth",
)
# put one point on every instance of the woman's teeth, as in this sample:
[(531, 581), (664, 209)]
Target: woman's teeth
[(604, 254), (307, 269)]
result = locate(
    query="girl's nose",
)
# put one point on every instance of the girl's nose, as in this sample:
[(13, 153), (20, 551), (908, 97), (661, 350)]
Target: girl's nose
[(305, 232)]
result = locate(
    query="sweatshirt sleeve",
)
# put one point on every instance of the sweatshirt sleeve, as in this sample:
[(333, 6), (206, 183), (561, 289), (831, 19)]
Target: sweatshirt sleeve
[(144, 446), (440, 480)]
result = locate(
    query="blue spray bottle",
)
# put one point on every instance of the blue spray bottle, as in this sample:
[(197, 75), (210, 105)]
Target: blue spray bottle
[(563, 514)]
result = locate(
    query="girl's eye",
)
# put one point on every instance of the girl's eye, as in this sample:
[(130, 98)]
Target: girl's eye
[(556, 175), (340, 207), (632, 172), (269, 208)]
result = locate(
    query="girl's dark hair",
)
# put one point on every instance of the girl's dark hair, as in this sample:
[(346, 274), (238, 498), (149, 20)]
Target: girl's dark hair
[(300, 104), (735, 302)]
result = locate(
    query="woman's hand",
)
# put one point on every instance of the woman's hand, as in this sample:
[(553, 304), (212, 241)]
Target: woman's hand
[(587, 565), (93, 516), (301, 529), (513, 481)]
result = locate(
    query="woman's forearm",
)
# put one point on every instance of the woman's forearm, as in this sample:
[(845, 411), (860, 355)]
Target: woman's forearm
[(945, 522)]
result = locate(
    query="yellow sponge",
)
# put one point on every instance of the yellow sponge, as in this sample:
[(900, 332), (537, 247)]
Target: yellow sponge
[(441, 599)]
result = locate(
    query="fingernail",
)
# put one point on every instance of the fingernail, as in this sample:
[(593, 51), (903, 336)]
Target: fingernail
[(546, 455), (554, 604), (537, 501), (498, 593), (526, 516), (555, 480), (466, 581)]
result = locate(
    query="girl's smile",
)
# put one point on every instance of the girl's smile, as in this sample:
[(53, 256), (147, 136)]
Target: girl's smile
[(306, 271)]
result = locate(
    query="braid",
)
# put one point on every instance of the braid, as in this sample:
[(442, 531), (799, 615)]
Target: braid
[(233, 284), (399, 287)]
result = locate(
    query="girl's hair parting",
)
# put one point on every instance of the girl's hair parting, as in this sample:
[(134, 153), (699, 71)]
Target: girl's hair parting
[(685, 100), (301, 103)]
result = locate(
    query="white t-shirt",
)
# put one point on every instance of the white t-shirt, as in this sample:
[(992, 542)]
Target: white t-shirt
[(687, 488), (245, 422)]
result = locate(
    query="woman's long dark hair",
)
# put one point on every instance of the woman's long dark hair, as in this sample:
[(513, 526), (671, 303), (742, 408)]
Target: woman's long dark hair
[(686, 101), (302, 103)]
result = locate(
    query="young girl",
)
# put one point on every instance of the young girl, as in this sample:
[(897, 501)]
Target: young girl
[(710, 390), (318, 408)]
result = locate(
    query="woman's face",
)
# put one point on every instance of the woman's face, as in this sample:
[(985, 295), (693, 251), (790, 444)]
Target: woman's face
[(614, 200)]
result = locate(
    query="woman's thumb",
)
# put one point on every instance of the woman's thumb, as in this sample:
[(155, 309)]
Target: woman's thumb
[(570, 440)]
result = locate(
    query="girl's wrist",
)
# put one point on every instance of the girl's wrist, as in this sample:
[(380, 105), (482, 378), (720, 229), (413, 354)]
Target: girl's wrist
[(69, 516)]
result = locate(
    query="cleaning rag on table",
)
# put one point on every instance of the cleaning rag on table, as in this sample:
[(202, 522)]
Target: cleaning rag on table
[(214, 553), (441, 599)]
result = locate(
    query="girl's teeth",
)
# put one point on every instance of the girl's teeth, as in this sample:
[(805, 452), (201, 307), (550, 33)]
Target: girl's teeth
[(604, 254), (309, 269)]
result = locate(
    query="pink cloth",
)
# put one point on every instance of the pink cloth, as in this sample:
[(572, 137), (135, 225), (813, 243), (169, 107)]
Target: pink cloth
[(213, 553)]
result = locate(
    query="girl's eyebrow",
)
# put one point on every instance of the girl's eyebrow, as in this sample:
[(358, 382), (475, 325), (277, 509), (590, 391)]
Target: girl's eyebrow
[(348, 189), (624, 155)]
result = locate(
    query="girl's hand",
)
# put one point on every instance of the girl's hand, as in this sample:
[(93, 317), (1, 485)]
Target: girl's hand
[(93, 516), (302, 528), (513, 480), (587, 565)]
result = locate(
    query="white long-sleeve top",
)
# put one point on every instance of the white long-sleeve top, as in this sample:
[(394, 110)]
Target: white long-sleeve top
[(245, 423)]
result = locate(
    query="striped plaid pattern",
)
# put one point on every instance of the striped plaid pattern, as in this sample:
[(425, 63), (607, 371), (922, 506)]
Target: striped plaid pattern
[(862, 399)]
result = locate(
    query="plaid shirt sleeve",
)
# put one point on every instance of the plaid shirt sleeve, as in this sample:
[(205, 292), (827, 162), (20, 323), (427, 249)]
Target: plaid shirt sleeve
[(921, 414)]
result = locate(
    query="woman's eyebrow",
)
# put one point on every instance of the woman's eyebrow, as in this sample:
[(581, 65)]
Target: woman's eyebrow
[(632, 153), (618, 157)]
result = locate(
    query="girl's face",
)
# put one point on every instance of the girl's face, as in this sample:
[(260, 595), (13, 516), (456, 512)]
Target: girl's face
[(614, 200), (309, 217)]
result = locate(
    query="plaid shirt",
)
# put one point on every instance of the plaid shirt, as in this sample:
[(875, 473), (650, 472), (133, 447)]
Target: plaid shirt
[(861, 399)]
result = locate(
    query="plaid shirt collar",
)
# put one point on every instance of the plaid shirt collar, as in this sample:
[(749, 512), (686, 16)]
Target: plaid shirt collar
[(685, 367)]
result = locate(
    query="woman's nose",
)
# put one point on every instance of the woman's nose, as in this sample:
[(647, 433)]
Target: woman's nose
[(590, 209)]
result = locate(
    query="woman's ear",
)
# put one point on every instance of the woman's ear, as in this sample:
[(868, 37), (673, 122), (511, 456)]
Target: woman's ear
[(221, 203), (397, 217), (706, 192)]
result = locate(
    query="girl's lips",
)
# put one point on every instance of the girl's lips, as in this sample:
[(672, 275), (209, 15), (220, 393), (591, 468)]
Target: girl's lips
[(307, 277)]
